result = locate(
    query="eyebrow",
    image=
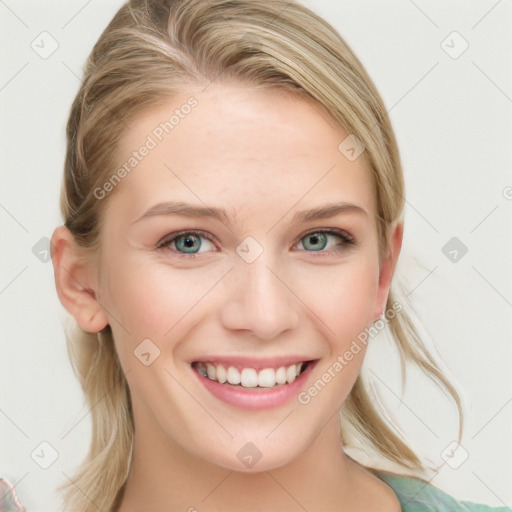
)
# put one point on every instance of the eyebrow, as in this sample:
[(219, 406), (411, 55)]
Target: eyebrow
[(195, 211)]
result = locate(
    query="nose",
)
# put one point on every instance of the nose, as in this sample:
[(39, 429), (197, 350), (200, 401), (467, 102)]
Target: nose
[(259, 300)]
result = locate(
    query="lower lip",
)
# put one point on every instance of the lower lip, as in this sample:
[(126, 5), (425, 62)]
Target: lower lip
[(255, 399)]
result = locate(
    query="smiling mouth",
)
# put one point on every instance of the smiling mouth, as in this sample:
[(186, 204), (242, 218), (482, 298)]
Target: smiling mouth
[(266, 378)]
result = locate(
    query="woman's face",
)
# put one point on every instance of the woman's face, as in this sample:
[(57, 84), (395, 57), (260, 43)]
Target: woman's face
[(268, 269)]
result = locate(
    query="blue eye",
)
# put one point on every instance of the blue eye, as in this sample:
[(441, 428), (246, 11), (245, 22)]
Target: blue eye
[(185, 242), (190, 243), (317, 241)]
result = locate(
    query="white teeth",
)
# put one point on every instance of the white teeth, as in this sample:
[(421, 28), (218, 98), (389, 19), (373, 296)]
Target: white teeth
[(249, 377), (211, 371), (233, 375), (290, 373), (222, 374), (281, 375), (266, 378)]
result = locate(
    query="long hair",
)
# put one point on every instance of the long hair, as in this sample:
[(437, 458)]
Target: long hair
[(151, 50)]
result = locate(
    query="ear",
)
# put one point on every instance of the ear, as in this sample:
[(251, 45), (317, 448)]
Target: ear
[(74, 280), (387, 269)]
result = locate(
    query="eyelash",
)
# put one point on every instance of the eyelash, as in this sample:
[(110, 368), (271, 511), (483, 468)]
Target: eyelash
[(346, 239)]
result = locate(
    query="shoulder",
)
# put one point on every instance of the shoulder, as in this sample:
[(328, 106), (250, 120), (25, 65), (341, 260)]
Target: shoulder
[(416, 495)]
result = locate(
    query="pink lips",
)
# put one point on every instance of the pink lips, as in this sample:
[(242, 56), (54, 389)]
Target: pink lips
[(261, 398)]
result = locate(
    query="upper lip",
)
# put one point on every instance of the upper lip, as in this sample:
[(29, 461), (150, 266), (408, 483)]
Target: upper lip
[(249, 362)]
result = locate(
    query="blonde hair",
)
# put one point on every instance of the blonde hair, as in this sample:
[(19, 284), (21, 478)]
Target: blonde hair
[(151, 50)]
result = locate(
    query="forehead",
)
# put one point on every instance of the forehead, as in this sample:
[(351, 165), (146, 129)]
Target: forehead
[(245, 149)]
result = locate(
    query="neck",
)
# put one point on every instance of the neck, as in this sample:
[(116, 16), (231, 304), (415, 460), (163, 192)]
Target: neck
[(165, 477)]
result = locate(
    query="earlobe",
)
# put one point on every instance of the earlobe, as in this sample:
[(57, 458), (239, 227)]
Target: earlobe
[(74, 281), (387, 269)]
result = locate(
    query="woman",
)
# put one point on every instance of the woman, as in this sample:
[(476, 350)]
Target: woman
[(233, 215)]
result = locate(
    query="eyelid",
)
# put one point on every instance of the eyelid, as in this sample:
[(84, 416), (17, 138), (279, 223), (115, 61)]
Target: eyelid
[(164, 242), (330, 231), (347, 240), (346, 237)]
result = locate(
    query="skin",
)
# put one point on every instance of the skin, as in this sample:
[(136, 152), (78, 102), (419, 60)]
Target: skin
[(262, 155)]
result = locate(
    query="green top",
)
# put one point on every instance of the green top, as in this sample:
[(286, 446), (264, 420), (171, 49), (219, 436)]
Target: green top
[(413, 495), (416, 496)]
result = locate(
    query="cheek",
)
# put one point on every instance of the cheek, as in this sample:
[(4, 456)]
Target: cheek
[(344, 302), (150, 299), (342, 297)]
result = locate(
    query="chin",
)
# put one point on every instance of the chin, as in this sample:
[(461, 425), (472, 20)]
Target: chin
[(255, 457), (258, 466)]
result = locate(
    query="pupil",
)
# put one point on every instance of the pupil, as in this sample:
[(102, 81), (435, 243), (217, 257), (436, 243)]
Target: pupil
[(187, 243), (316, 241)]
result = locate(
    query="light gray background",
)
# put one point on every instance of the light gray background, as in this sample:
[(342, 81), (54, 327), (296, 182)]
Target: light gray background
[(452, 118)]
